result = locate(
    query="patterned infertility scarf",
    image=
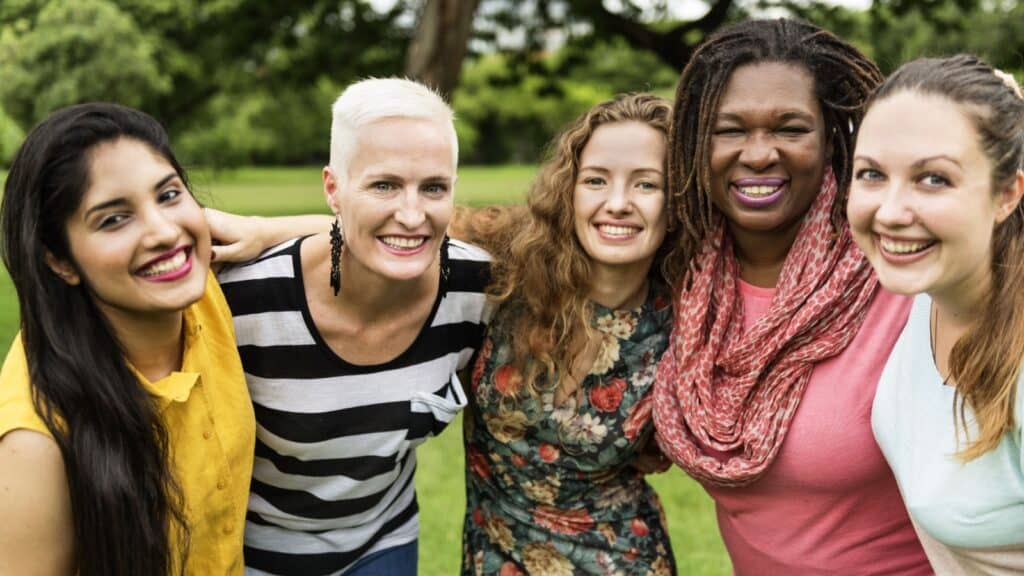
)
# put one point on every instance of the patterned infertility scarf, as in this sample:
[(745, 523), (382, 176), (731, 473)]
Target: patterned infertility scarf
[(724, 398)]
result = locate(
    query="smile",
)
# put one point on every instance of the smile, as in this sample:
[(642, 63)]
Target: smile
[(758, 192), (903, 251), (616, 231), (169, 266), (403, 243)]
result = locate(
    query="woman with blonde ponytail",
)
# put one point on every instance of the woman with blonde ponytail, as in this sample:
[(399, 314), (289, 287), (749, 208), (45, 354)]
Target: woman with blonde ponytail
[(936, 206)]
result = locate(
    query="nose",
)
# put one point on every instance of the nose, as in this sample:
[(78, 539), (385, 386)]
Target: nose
[(410, 212), (618, 200), (893, 209), (759, 152), (162, 231)]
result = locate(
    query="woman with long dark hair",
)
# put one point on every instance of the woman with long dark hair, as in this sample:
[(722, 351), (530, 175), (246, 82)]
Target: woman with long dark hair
[(126, 432)]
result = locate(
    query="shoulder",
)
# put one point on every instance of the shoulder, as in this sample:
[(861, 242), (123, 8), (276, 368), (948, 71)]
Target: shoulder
[(37, 531), (469, 267), (459, 250), (16, 407)]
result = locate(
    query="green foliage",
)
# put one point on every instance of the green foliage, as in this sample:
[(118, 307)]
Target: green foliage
[(509, 110), (74, 52), (11, 136)]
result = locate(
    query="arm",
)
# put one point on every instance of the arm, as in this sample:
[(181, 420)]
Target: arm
[(36, 534), (241, 238)]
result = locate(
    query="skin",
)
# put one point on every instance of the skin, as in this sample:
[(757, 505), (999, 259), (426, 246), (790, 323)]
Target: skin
[(769, 125), (136, 209), (400, 184), (921, 175), (621, 184)]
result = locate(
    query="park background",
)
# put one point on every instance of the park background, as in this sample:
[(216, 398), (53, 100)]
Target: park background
[(245, 87)]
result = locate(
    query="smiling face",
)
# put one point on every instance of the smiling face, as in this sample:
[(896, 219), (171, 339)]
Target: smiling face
[(921, 203), (138, 240), (619, 198), (768, 148), (397, 199)]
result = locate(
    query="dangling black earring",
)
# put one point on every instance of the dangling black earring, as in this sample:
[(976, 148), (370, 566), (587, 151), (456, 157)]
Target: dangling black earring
[(336, 241)]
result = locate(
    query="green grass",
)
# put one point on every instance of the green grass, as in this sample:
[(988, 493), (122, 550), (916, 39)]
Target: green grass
[(439, 480)]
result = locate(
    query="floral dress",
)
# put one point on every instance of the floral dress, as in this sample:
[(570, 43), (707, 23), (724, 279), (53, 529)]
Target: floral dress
[(549, 488)]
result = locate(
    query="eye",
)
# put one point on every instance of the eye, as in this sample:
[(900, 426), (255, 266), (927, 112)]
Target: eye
[(869, 175), (648, 185), (794, 130), (594, 181), (727, 131), (435, 189), (934, 180), (168, 195), (111, 220), (382, 186)]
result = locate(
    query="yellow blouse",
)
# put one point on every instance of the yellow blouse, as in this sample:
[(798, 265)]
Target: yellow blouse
[(210, 424)]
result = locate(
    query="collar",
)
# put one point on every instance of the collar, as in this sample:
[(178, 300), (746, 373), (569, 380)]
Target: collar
[(177, 386)]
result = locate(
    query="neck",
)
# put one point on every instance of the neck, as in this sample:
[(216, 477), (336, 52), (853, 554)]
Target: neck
[(960, 307), (369, 296), (152, 343), (762, 254), (619, 288)]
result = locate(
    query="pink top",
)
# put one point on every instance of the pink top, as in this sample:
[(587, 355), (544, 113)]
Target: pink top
[(829, 503)]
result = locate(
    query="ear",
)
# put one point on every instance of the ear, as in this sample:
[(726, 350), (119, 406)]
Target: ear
[(62, 268), (1009, 199), (332, 189)]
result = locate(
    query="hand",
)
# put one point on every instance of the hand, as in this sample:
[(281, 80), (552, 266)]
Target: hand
[(235, 238), (649, 459)]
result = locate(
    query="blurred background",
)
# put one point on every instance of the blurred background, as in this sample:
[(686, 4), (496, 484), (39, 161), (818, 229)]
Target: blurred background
[(245, 88)]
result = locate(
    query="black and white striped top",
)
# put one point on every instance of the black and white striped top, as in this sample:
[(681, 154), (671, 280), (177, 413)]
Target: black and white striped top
[(333, 475)]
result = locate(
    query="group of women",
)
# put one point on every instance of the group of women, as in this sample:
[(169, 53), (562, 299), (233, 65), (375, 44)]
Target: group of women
[(801, 283)]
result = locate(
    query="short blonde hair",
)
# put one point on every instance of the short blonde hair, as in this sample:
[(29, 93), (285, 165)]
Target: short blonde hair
[(375, 99)]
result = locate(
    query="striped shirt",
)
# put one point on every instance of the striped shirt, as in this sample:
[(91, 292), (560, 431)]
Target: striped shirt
[(333, 475)]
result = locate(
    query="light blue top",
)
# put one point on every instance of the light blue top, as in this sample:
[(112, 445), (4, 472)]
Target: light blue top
[(979, 504)]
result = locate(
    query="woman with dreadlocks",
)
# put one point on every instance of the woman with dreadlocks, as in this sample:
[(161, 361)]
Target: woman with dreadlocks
[(781, 330)]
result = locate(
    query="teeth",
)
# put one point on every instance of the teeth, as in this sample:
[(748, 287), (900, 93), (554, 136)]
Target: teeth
[(165, 266), (402, 241), (903, 247), (757, 191), (617, 230)]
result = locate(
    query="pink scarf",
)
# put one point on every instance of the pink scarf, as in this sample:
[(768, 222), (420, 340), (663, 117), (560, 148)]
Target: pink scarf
[(724, 398)]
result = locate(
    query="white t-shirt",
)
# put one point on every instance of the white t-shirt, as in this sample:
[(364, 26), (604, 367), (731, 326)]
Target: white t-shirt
[(973, 506)]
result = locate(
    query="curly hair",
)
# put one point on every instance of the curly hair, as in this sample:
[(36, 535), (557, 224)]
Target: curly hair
[(541, 270), (843, 80), (985, 362)]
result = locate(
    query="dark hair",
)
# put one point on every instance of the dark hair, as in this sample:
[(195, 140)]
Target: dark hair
[(985, 362), (124, 498), (843, 79)]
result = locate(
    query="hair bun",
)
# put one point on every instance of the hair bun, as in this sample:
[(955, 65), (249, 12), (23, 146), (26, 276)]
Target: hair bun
[(1010, 81)]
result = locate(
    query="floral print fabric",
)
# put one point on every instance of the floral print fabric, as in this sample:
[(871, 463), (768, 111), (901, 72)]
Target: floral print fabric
[(549, 488)]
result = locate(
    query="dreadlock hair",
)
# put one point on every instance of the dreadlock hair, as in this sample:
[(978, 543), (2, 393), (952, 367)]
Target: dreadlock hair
[(843, 80), (544, 274), (985, 362)]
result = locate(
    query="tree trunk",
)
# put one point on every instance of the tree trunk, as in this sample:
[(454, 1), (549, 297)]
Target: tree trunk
[(439, 45)]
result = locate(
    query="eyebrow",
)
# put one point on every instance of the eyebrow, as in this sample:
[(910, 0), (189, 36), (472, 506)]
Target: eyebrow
[(783, 115), (122, 201), (917, 165)]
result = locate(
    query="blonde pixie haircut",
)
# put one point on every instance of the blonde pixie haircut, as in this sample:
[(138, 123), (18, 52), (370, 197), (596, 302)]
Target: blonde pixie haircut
[(375, 99)]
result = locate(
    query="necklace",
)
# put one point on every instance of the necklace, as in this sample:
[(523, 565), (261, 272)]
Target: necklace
[(933, 329)]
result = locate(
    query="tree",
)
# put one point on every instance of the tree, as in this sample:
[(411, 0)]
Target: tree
[(439, 45)]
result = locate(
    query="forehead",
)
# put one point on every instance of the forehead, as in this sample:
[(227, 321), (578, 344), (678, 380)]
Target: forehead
[(125, 166), (412, 147), (629, 144), (909, 125), (769, 88)]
